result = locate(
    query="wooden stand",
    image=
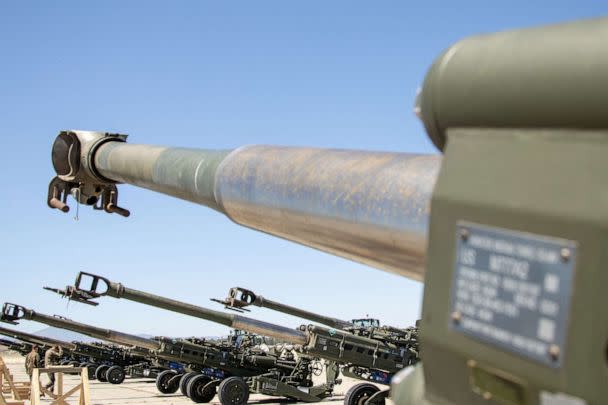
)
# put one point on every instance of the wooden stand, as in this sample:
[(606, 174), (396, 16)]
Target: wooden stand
[(19, 391), (62, 395)]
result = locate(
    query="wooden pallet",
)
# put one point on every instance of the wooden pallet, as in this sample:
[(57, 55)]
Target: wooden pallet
[(17, 390), (61, 396)]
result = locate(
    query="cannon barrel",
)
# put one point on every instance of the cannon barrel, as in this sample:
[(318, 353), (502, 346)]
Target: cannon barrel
[(13, 312), (234, 321), (361, 351), (371, 207), (240, 298), (36, 339)]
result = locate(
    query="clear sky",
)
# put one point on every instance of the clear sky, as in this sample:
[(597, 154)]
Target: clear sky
[(213, 75)]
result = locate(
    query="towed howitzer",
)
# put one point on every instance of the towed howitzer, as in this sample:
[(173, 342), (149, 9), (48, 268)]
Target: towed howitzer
[(113, 364), (210, 365), (362, 357), (37, 339), (240, 298), (79, 354), (23, 348), (514, 250)]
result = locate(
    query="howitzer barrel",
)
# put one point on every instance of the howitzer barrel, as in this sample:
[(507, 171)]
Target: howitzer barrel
[(117, 290), (41, 340), (311, 316), (14, 312), (240, 298), (371, 207)]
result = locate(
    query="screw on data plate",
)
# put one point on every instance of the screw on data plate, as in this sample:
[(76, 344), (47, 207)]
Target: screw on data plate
[(554, 352), (487, 395), (565, 254), (464, 234), (456, 316)]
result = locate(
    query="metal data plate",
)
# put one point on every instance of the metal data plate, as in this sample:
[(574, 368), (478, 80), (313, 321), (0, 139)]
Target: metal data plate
[(512, 290)]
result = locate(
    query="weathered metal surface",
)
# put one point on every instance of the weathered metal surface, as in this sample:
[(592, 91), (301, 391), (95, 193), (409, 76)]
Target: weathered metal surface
[(371, 207)]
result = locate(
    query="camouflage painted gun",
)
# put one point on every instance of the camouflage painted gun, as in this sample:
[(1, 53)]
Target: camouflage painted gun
[(23, 348), (362, 357), (509, 236), (110, 363), (239, 299), (209, 364)]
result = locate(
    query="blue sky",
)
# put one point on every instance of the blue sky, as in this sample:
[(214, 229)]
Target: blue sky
[(213, 75)]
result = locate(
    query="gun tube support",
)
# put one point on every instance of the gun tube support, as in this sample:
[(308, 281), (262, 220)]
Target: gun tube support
[(370, 207), (15, 312)]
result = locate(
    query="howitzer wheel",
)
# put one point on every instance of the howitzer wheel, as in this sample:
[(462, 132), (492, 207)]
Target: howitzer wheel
[(183, 382), (200, 389), (100, 373), (165, 383), (90, 369), (360, 393), (73, 364), (64, 362), (115, 375), (233, 391)]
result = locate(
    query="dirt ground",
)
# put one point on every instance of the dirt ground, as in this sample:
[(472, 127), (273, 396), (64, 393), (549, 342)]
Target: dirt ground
[(141, 391)]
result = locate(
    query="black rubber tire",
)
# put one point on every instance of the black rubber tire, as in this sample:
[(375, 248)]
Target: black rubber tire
[(115, 375), (162, 382), (64, 362), (100, 373), (199, 390), (183, 382), (90, 369), (233, 391), (73, 364), (360, 393)]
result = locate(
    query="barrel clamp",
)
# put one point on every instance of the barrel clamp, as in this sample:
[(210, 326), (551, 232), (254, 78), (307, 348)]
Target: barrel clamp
[(87, 288), (73, 156), (11, 313), (107, 199)]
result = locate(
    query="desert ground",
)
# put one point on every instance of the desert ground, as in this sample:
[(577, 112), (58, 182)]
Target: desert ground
[(142, 391)]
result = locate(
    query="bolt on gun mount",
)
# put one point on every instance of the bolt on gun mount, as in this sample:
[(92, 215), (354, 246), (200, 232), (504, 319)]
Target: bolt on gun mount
[(374, 360)]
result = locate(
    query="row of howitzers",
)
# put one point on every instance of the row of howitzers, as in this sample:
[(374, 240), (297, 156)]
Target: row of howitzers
[(258, 357)]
